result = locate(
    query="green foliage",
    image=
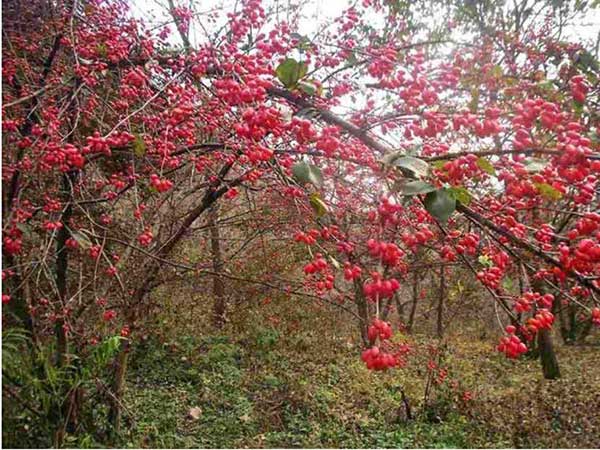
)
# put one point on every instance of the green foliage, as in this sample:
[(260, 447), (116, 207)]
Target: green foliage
[(40, 390), (290, 71), (414, 187), (409, 165), (304, 172), (440, 204), (486, 166), (318, 204)]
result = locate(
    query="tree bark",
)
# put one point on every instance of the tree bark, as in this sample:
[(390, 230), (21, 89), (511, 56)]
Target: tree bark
[(118, 389), (548, 356)]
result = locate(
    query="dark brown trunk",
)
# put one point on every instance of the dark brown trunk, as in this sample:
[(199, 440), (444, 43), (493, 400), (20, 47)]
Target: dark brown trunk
[(548, 356), (118, 388)]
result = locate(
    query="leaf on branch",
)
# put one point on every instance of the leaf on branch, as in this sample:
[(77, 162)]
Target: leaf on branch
[(461, 195), (413, 187), (318, 204), (409, 165), (486, 166), (290, 72), (139, 146), (440, 204), (536, 165), (548, 192), (474, 103), (485, 260), (304, 172)]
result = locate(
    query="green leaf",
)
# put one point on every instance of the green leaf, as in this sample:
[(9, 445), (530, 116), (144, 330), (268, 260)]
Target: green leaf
[(290, 72), (318, 204), (139, 146), (536, 165), (485, 260), (413, 187), (461, 194), (307, 87), (548, 192), (474, 103), (440, 204), (304, 172), (409, 165), (486, 166)]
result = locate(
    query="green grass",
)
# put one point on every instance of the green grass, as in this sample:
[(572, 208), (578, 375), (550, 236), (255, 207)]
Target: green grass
[(261, 394)]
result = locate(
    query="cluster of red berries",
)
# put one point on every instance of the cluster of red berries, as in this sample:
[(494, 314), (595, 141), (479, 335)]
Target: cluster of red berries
[(320, 266), (351, 272), (511, 345), (543, 319), (145, 238), (419, 238), (595, 315), (161, 184), (468, 244), (52, 226), (317, 265), (579, 88), (380, 288), (308, 238), (491, 277), (388, 253), (377, 359), (109, 315), (387, 211), (525, 302), (95, 251), (379, 329)]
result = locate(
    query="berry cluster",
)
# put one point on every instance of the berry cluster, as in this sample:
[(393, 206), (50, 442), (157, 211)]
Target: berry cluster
[(161, 184), (595, 316), (511, 345), (525, 302), (308, 238), (145, 238), (579, 88), (351, 272), (388, 253), (542, 320), (379, 329), (380, 288), (377, 359)]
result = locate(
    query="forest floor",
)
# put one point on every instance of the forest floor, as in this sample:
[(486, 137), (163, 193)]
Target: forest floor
[(270, 388)]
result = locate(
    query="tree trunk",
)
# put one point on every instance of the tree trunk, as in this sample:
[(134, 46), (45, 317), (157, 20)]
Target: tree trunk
[(62, 266), (547, 356), (413, 307), (440, 305), (217, 262), (118, 389)]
